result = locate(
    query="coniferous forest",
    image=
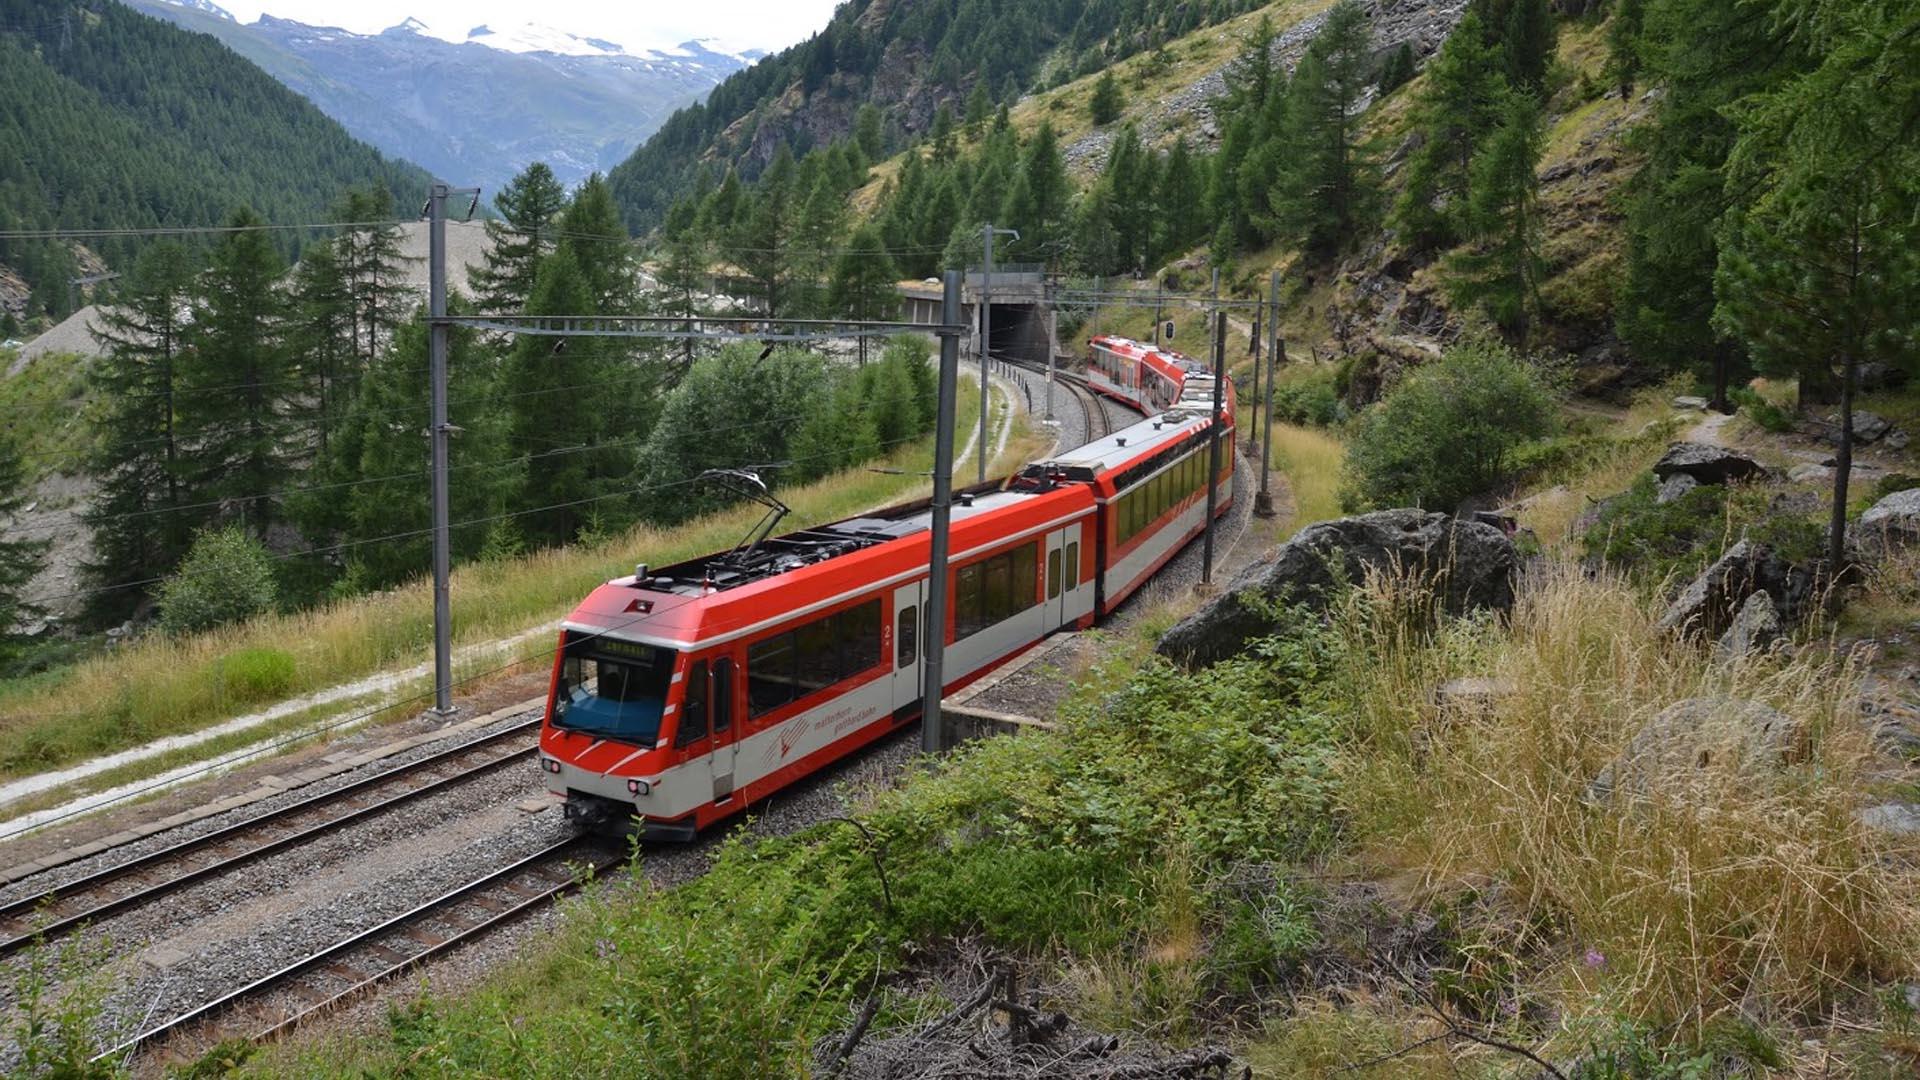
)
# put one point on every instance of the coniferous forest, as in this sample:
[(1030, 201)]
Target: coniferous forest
[(112, 120)]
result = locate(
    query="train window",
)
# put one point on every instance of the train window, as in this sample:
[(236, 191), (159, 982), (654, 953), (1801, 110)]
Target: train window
[(1073, 565), (817, 656), (1026, 582), (722, 696), (999, 590), (693, 707), (615, 689), (770, 674), (858, 629), (1053, 573), (906, 635), (966, 601)]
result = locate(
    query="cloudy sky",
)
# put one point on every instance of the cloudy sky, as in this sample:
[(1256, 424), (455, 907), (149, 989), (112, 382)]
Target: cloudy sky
[(635, 24)]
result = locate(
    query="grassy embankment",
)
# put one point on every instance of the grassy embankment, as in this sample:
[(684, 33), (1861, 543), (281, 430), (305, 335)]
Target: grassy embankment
[(162, 686), (1318, 868)]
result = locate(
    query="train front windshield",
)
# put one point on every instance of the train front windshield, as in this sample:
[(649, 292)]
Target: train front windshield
[(613, 689)]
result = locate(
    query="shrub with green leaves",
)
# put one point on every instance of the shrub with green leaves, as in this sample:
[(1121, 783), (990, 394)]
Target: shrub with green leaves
[(226, 577), (1310, 399), (1449, 430), (1655, 541)]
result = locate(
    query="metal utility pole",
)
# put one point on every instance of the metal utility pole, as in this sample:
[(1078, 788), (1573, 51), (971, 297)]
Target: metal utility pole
[(1263, 502), (1253, 429), (934, 651), (987, 233), (1157, 289), (438, 431), (1053, 338), (1213, 438)]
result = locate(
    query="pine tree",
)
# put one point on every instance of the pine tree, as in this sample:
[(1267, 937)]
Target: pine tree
[(1397, 71), (1179, 216), (869, 131), (602, 250), (682, 270), (528, 206), (864, 284), (373, 272), (542, 380), (1326, 191), (815, 231), (1502, 271), (1818, 266), (238, 443), (1623, 43), (388, 416), (1698, 50), (1107, 102), (1528, 41), (979, 105), (1048, 199), (1459, 105), (942, 135), (136, 530), (321, 336), (20, 560), (762, 241)]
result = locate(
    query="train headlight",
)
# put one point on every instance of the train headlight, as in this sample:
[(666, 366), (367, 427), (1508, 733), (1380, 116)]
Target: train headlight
[(550, 764), (639, 787)]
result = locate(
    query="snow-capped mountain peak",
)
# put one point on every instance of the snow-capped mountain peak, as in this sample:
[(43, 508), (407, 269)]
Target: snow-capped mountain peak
[(208, 7), (532, 37)]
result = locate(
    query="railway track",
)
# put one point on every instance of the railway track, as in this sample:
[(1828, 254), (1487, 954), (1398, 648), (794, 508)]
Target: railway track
[(1099, 423), (61, 909), (279, 1002)]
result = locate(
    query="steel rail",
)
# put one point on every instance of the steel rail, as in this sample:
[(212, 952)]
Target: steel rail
[(26, 905), (333, 952), (1091, 403)]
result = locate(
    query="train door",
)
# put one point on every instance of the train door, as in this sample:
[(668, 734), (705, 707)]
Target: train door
[(909, 607), (726, 728), (1057, 572)]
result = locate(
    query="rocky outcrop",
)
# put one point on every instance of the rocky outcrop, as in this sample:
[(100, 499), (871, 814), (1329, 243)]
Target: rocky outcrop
[(1756, 627), (1674, 487), (1471, 565), (1890, 524), (1699, 733), (1709, 604), (1707, 464)]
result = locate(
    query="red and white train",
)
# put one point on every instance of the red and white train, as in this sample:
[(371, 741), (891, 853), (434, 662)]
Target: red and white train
[(685, 692)]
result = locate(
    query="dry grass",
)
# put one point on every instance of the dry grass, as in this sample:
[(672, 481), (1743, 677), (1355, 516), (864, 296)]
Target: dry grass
[(1312, 460), (162, 686), (1755, 892)]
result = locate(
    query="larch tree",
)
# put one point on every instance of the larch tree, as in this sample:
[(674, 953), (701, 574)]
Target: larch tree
[(1819, 270), (20, 557), (1326, 192), (237, 439), (136, 522), (865, 283), (1502, 268), (529, 206)]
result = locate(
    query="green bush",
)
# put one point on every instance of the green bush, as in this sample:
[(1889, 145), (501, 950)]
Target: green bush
[(1656, 541), (1448, 431), (256, 674), (1312, 399), (1765, 413), (225, 578)]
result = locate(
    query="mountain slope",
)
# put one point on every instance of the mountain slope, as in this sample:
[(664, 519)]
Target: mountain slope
[(110, 119), (906, 57), (478, 109)]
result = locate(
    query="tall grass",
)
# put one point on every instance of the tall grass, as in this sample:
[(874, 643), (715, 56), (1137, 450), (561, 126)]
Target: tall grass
[(1312, 460), (162, 686), (1721, 889)]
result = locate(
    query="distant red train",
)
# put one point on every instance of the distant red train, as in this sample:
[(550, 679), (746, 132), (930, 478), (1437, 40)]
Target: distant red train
[(685, 692)]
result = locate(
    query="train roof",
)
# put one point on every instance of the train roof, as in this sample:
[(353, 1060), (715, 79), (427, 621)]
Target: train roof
[(777, 555), (1122, 447)]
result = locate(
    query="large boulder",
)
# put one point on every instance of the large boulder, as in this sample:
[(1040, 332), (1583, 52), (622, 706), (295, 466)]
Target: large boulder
[(1710, 601), (1471, 564), (1893, 522), (1867, 427), (1699, 733), (1707, 464), (1674, 488), (1756, 628)]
